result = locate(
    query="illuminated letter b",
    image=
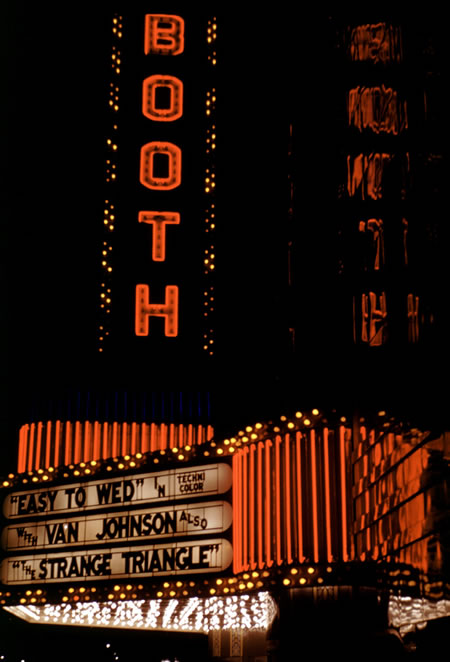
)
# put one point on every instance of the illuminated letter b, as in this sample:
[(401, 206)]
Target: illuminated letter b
[(164, 34)]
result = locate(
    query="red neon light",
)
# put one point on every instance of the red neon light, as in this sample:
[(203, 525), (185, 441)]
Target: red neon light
[(237, 486), (105, 453), (87, 448), (314, 496), (97, 441), (22, 459), (68, 443), (31, 446), (145, 442), (149, 90), (260, 504), (124, 439), (287, 459), (252, 507), (301, 556), (168, 310), (159, 220), (133, 438), (38, 445), (57, 438), (278, 488), (153, 441), (115, 444), (269, 559), (164, 34), (147, 176), (245, 508), (48, 444), (343, 493), (327, 494), (77, 451)]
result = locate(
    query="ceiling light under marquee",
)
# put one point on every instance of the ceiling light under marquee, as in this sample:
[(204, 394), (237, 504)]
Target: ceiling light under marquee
[(248, 612)]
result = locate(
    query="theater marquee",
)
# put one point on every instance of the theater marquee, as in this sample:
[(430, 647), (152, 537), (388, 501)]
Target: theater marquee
[(175, 510)]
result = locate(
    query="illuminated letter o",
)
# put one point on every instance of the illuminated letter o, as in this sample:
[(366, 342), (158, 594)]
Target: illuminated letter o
[(149, 88), (147, 176)]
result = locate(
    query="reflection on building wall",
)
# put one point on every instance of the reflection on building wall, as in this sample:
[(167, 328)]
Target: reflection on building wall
[(376, 43), (402, 502)]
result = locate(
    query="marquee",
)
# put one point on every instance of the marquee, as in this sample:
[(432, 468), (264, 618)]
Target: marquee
[(87, 543)]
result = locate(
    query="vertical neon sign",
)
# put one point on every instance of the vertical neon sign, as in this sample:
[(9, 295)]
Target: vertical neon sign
[(160, 164)]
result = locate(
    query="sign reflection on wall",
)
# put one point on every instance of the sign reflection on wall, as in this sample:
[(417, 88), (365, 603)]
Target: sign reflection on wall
[(160, 163)]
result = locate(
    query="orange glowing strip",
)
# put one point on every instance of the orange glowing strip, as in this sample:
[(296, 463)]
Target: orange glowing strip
[(115, 443), (147, 175), (31, 446), (237, 487), (278, 488), (269, 559), (288, 526), (158, 220), (57, 438), (145, 438), (239, 516), (133, 438), (251, 486), (164, 436), (172, 440), (164, 34), (37, 459), (122, 439), (153, 438), (97, 441), (48, 443), (105, 453), (260, 506), (190, 435), (144, 309), (245, 485), (314, 496), (78, 442), (22, 458), (87, 449), (68, 444), (327, 494), (301, 556), (343, 493)]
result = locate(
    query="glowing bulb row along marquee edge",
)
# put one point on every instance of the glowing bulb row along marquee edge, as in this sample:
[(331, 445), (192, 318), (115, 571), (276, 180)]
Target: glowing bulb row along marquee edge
[(164, 35)]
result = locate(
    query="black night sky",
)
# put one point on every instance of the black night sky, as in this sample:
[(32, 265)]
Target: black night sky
[(53, 136)]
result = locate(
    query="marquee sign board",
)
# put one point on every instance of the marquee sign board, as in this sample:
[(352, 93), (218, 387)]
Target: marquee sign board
[(76, 532), (132, 525), (204, 556), (156, 487)]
